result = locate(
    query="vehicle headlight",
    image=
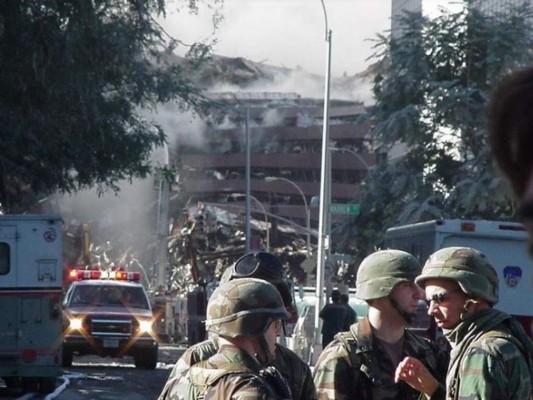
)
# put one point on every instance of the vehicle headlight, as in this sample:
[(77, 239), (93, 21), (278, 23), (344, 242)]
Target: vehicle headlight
[(145, 326), (76, 324)]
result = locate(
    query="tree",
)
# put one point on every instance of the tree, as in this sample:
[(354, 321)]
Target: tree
[(430, 101), (74, 76)]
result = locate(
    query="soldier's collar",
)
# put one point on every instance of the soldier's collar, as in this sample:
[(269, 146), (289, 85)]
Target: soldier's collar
[(363, 334)]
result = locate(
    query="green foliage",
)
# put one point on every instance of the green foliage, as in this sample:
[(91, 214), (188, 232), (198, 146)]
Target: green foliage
[(431, 97), (74, 76)]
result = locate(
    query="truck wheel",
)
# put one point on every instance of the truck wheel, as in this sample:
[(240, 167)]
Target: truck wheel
[(67, 357), (47, 385), (150, 361), (146, 359), (30, 385), (12, 381), (138, 360)]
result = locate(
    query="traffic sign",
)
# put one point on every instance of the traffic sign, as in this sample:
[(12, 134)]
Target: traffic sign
[(351, 209)]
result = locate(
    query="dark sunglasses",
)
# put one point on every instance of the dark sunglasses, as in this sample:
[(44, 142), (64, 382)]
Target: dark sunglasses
[(442, 297)]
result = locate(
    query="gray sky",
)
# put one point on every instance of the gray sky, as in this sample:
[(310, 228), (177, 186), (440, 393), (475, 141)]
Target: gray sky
[(292, 32)]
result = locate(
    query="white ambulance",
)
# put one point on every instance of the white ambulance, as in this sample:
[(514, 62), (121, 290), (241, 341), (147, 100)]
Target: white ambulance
[(504, 243), (31, 272)]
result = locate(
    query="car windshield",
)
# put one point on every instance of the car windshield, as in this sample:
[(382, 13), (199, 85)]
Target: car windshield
[(109, 296)]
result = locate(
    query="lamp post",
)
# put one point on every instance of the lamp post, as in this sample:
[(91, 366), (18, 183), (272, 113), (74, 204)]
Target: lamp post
[(162, 225), (307, 209), (248, 231), (262, 207), (212, 101), (344, 150), (324, 196), (243, 108)]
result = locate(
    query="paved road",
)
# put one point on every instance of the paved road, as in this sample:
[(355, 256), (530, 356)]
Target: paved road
[(94, 378)]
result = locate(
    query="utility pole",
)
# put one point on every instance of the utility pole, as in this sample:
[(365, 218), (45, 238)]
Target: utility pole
[(324, 201)]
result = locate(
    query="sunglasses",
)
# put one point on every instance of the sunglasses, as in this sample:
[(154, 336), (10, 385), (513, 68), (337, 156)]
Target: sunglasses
[(439, 298)]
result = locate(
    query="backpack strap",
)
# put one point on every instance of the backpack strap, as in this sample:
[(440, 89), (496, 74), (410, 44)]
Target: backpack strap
[(268, 375), (213, 375), (349, 341)]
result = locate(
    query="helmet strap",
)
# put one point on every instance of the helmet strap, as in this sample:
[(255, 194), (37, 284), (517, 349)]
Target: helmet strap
[(407, 317), (266, 358)]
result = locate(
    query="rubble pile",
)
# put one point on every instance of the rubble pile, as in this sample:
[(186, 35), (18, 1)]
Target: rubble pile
[(200, 252)]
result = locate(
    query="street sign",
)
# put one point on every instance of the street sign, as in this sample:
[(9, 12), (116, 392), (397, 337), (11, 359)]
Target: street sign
[(351, 209)]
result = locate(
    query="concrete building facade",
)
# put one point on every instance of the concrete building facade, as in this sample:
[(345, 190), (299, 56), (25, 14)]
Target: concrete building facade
[(285, 136)]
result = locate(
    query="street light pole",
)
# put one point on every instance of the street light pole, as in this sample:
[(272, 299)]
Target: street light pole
[(247, 217), (344, 150), (247, 145), (307, 209), (162, 225), (262, 207), (324, 200)]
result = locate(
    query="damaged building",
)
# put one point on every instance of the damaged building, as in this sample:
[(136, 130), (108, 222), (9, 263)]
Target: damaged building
[(283, 132)]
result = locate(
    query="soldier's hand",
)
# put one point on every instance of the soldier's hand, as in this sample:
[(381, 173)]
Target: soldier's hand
[(414, 373)]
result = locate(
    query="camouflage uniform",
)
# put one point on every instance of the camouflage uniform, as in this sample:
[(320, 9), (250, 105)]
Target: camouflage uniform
[(295, 371), (241, 308), (356, 365), (492, 356), (229, 374)]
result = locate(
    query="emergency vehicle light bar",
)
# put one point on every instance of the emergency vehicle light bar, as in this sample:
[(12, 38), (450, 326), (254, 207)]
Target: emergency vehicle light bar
[(125, 276), (96, 274), (87, 274)]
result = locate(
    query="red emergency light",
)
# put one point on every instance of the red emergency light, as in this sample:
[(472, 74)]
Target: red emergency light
[(87, 274)]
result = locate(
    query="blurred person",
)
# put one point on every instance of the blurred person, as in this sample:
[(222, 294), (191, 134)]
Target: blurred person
[(261, 265), (361, 363), (492, 356), (333, 316), (125, 297), (351, 315), (510, 128), (246, 316)]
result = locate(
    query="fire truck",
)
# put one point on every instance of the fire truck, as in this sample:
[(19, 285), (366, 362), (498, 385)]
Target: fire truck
[(504, 243), (108, 313), (31, 271)]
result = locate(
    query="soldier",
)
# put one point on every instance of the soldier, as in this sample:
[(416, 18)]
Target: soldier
[(511, 138), (246, 316), (361, 363), (492, 356), (261, 265)]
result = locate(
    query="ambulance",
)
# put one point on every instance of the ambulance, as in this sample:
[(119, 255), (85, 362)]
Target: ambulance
[(503, 242), (31, 272)]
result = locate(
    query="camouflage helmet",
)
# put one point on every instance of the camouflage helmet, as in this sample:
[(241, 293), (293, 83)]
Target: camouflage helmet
[(244, 307), (260, 265), (468, 267), (381, 271)]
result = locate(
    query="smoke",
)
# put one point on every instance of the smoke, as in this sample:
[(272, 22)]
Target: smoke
[(179, 126), (126, 219), (289, 33)]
